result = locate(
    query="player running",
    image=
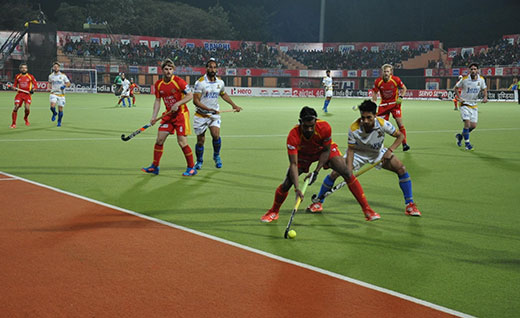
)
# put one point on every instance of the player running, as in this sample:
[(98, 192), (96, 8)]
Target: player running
[(27, 82), (133, 87), (308, 142), (175, 93), (366, 146), (57, 82), (455, 99), (125, 93), (326, 82), (470, 87), (205, 97), (392, 90)]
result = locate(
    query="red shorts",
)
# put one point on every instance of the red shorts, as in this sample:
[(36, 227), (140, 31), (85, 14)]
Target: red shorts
[(305, 161), (22, 97), (385, 111), (180, 124)]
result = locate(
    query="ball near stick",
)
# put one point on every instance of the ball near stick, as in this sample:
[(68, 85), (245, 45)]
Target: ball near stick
[(292, 234)]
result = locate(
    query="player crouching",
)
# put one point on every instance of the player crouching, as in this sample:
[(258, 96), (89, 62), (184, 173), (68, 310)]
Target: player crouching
[(366, 146)]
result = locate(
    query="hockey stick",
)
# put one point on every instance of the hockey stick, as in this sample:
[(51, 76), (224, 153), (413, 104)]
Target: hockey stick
[(364, 169), (18, 89), (140, 130), (298, 201)]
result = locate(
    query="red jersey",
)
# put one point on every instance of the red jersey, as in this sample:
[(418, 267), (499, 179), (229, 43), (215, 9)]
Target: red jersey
[(132, 87), (389, 90), (25, 82), (298, 144), (172, 92)]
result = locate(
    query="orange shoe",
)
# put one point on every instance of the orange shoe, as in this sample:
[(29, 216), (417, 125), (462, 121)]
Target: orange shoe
[(412, 210), (370, 215), (315, 207), (12, 126), (269, 216), (27, 123)]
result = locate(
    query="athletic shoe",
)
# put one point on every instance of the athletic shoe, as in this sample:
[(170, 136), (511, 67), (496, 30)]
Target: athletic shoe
[(151, 169), (189, 172), (406, 147), (412, 210), (459, 139), (370, 215), (315, 207), (12, 126), (53, 118), (198, 165), (58, 125), (218, 161), (27, 123), (269, 216), (469, 147), (455, 108), (325, 109)]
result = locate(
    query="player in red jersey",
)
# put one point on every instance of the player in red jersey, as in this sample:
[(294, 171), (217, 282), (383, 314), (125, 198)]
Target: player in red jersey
[(456, 99), (175, 93), (27, 82), (308, 142), (132, 88), (391, 89)]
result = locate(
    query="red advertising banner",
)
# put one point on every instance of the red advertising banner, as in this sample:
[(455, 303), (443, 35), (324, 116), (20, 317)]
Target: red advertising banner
[(308, 92)]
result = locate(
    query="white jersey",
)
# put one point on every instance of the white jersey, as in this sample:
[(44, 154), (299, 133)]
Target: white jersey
[(327, 83), (470, 89), (57, 81), (126, 87), (369, 144), (210, 91)]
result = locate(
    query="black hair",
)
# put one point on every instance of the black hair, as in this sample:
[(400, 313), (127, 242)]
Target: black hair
[(368, 106), (473, 64), (307, 114), (211, 60)]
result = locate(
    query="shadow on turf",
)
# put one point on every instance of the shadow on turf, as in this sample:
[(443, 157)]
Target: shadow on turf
[(497, 162)]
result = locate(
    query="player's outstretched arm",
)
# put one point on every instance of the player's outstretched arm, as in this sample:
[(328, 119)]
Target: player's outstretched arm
[(228, 100)]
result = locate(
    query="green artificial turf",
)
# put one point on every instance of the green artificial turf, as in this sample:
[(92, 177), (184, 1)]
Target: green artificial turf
[(462, 254)]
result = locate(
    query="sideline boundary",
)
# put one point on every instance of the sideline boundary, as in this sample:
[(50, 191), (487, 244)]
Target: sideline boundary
[(249, 249)]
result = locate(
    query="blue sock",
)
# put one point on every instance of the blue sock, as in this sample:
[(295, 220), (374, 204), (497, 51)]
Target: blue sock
[(199, 151), (326, 104), (405, 183), (129, 102), (327, 184), (53, 110), (465, 134), (124, 105), (216, 146), (60, 116)]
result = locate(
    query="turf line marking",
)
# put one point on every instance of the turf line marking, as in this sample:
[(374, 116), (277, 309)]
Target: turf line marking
[(8, 179), (243, 136), (250, 249)]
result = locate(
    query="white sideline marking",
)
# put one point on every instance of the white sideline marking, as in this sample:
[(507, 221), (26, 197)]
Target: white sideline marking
[(8, 179), (253, 250), (241, 136)]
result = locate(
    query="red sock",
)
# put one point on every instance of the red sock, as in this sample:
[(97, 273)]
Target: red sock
[(119, 101), (455, 102), (403, 131), (133, 100), (189, 155), (279, 198), (26, 114), (14, 115), (157, 153), (357, 191)]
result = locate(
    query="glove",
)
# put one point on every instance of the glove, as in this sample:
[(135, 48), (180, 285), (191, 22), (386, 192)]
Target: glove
[(399, 100), (31, 91), (312, 177), (62, 87)]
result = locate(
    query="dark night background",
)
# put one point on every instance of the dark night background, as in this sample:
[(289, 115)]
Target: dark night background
[(453, 22)]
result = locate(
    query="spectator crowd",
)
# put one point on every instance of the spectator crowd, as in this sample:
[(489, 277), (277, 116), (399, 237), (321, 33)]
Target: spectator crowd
[(260, 56), (500, 53)]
